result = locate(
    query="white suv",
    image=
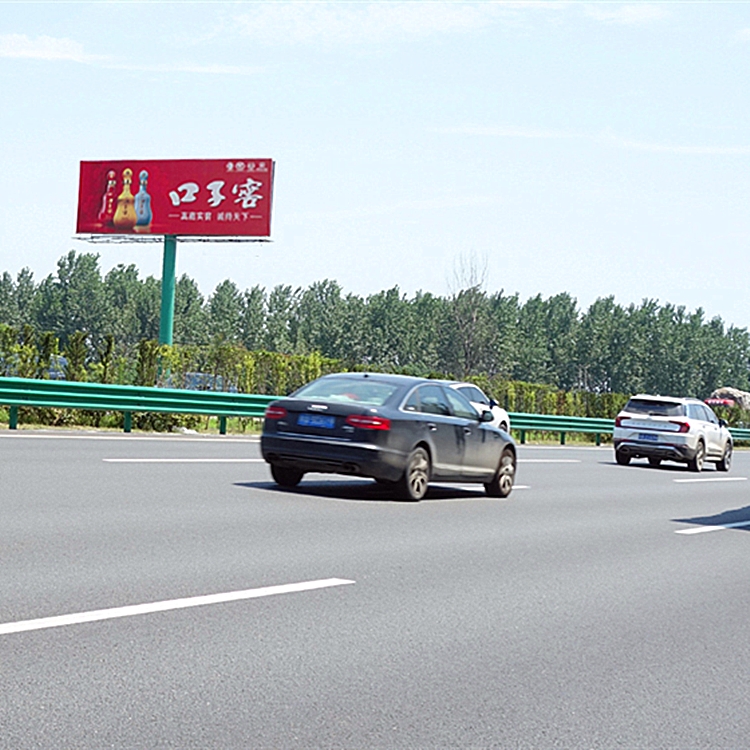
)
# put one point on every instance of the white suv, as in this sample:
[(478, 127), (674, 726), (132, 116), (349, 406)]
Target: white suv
[(672, 429), (482, 402)]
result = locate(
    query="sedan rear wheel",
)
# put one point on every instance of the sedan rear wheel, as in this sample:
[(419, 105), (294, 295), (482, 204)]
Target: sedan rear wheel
[(726, 459), (413, 484), (502, 483), (286, 476), (696, 463)]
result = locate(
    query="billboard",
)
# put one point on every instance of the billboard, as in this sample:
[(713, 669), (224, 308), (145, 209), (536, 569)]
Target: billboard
[(210, 197)]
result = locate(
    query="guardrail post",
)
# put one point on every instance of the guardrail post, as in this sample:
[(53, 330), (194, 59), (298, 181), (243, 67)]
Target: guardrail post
[(222, 425), (523, 437), (13, 419), (127, 421), (598, 439), (562, 438)]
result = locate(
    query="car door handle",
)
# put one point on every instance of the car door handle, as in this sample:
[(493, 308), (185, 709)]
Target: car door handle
[(431, 426)]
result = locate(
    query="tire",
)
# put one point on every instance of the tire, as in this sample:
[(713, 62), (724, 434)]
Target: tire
[(726, 459), (285, 476), (622, 458), (696, 462), (502, 483), (654, 461), (413, 484)]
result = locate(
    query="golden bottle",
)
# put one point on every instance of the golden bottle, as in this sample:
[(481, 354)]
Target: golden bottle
[(125, 217)]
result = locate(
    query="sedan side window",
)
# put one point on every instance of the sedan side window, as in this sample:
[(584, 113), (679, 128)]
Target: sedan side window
[(460, 406), (412, 403), (432, 400)]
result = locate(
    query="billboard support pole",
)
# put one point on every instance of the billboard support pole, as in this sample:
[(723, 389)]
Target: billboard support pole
[(166, 321)]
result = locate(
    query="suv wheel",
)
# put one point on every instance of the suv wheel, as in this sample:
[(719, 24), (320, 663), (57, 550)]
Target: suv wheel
[(622, 458), (696, 462), (654, 461), (726, 459)]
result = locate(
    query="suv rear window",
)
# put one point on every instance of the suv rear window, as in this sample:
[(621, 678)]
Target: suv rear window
[(655, 408)]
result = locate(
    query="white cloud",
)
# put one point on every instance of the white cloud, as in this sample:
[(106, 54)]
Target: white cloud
[(504, 132), (671, 148), (632, 13), (42, 48), (606, 138), (357, 23), (184, 68), (48, 48)]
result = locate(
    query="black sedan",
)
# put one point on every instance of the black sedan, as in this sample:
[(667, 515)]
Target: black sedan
[(401, 431)]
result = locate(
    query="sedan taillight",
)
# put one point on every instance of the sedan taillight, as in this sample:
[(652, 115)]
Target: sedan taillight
[(275, 412), (368, 422)]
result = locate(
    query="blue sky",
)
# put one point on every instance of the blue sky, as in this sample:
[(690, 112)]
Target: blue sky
[(590, 148)]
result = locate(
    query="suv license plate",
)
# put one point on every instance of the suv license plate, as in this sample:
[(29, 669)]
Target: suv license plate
[(650, 438), (316, 420)]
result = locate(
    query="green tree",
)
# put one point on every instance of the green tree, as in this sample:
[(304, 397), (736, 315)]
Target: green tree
[(253, 318), (225, 312), (190, 317)]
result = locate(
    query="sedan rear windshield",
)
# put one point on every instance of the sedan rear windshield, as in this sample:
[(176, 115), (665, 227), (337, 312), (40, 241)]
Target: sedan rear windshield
[(347, 390), (655, 408)]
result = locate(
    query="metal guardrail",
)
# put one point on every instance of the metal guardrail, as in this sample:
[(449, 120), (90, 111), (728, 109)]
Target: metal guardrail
[(554, 423), (64, 394)]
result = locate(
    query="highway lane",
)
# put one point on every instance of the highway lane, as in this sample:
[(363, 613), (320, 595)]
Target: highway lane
[(570, 615)]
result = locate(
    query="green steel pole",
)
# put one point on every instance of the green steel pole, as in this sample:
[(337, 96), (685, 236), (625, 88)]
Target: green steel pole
[(166, 322)]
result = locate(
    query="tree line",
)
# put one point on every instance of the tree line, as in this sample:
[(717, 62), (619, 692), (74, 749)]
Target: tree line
[(469, 333)]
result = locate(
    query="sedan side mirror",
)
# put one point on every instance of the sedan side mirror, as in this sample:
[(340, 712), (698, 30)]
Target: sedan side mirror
[(486, 416)]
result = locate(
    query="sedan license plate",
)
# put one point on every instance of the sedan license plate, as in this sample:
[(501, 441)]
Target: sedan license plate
[(648, 437), (316, 420)]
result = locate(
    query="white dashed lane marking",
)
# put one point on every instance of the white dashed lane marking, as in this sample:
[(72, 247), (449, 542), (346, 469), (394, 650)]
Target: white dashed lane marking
[(711, 479), (183, 460), (164, 606), (715, 527)]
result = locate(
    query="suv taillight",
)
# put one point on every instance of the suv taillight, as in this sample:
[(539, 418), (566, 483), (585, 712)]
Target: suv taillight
[(275, 412), (684, 426), (618, 421), (368, 422)]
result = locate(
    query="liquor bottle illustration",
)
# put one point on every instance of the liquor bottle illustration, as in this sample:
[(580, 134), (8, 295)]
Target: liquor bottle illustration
[(143, 205), (125, 217), (107, 209)]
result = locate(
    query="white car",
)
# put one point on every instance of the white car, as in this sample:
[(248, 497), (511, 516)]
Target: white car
[(662, 428), (482, 402)]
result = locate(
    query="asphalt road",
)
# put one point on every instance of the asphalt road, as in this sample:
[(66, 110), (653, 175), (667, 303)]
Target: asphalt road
[(576, 614)]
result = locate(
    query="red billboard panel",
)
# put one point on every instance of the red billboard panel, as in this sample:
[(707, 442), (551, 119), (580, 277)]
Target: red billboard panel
[(211, 197)]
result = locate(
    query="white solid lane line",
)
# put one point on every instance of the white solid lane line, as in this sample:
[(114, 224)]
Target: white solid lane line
[(715, 527), (165, 606), (129, 437), (549, 460), (183, 460), (712, 479)]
